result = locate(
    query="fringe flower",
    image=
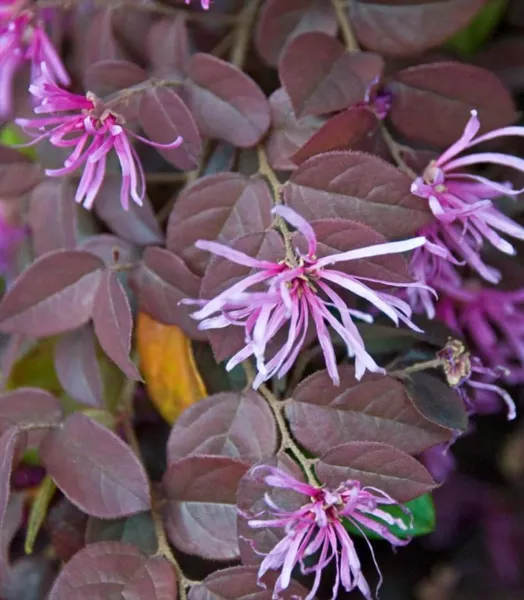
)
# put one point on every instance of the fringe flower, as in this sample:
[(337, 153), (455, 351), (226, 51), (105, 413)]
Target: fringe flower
[(300, 289)]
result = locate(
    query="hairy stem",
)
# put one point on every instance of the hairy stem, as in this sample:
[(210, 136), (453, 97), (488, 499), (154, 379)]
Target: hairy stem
[(416, 368), (394, 150), (245, 23), (341, 8), (287, 442)]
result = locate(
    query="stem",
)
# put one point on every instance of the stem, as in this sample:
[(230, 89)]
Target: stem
[(423, 366), (345, 24), (163, 548), (393, 147), (287, 442), (242, 34)]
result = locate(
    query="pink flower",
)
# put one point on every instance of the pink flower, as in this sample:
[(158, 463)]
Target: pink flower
[(300, 288), (493, 322), (317, 527), (92, 130), (23, 39), (473, 380), (461, 201), (205, 3)]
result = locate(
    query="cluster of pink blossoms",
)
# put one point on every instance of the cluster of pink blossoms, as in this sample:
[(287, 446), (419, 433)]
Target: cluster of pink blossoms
[(299, 289), (465, 215), (23, 39), (318, 526), (92, 130)]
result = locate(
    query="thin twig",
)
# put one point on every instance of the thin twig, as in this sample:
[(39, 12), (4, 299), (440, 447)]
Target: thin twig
[(242, 33), (287, 442), (416, 368), (341, 6), (394, 149)]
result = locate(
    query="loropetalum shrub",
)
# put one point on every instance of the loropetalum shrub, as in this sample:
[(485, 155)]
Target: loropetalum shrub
[(306, 211)]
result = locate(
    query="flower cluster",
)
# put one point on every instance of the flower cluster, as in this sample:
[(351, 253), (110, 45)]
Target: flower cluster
[(23, 39), (317, 527), (88, 126), (466, 218), (300, 288)]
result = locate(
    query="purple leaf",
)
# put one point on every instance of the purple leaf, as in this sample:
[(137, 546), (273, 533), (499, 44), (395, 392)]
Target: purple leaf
[(99, 571), (321, 76), (432, 103), (110, 75), (26, 406), (436, 401), (164, 117), (113, 323), (77, 366), (95, 469), (280, 21), (377, 465), (11, 443), (201, 505), (218, 207), (154, 580), (13, 520), (241, 583), (170, 58), (226, 103), (138, 530), (288, 133), (18, 173), (137, 225), (110, 249), (407, 27), (358, 187), (161, 281), (52, 216), (238, 425), (375, 408), (53, 295)]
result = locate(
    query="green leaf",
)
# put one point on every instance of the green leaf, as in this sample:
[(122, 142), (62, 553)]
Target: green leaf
[(479, 31), (422, 510), (44, 495), (10, 136)]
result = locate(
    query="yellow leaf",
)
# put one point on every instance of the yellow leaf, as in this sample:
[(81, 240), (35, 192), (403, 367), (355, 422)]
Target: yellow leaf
[(168, 367), (38, 512)]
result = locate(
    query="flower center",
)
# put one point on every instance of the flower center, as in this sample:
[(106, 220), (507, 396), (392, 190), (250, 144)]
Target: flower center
[(100, 111), (434, 176)]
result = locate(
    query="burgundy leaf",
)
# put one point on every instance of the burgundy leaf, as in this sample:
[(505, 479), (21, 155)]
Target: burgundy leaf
[(164, 117), (406, 27), (241, 583), (238, 425), (280, 21), (77, 366), (251, 500), (288, 133), (218, 207), (138, 530), (321, 76), (171, 57), (18, 173), (52, 216), (95, 469), (432, 103), (154, 580), (26, 406), (113, 323), (222, 273), (100, 42), (353, 129), (378, 465), (376, 408), (97, 572), (137, 225), (201, 509), (436, 401), (225, 102), (110, 75), (358, 187), (12, 522), (10, 445), (110, 249), (161, 281), (53, 295)]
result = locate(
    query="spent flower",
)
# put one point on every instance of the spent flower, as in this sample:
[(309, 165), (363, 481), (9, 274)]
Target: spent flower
[(300, 288), (92, 129), (316, 529), (462, 201), (23, 39)]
